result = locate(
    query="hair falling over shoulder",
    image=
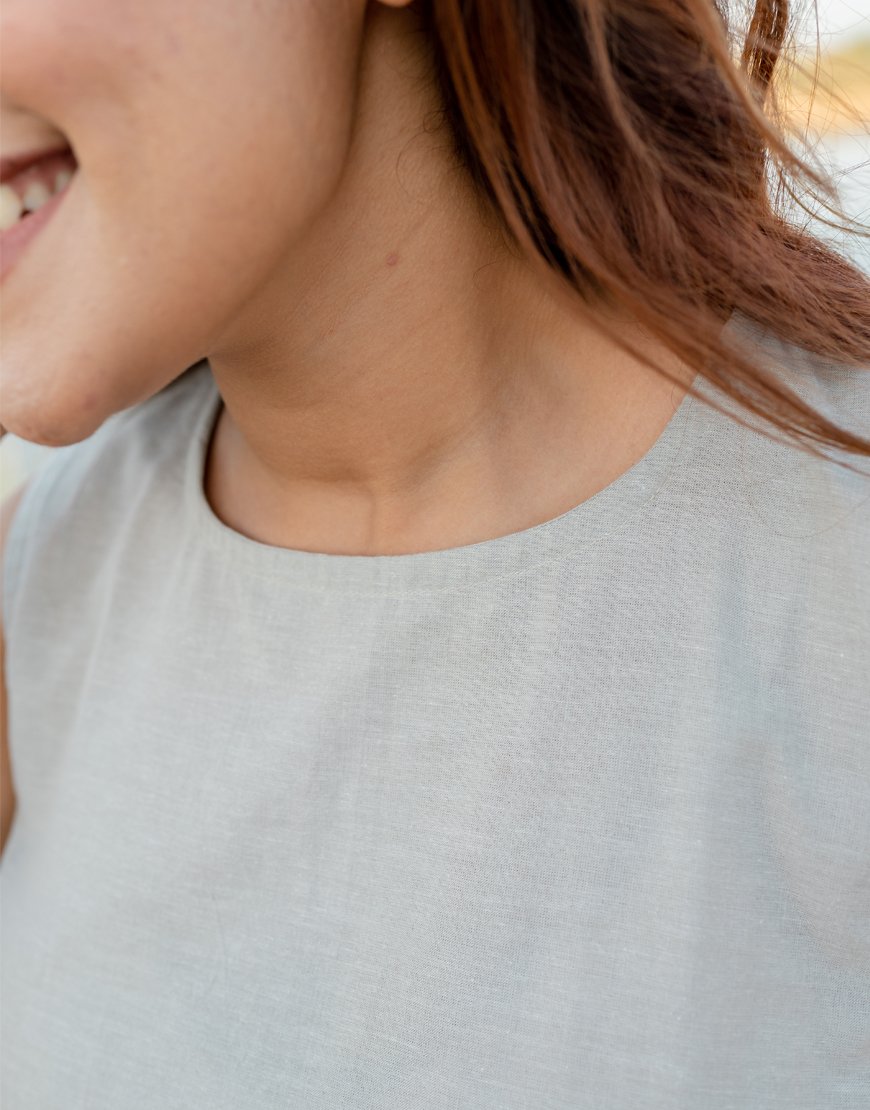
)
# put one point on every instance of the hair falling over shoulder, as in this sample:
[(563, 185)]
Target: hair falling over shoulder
[(639, 149)]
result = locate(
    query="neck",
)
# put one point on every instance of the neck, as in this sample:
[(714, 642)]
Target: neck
[(404, 379)]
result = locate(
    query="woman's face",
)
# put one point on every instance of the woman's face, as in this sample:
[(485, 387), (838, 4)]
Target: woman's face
[(207, 134)]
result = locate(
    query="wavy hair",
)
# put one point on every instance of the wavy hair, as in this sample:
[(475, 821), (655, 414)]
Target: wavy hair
[(629, 145)]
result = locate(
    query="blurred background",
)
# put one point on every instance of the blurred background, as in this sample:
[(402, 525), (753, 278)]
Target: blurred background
[(834, 129), (837, 131)]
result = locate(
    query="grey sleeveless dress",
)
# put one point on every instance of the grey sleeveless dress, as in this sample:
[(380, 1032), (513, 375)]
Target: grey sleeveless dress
[(576, 818)]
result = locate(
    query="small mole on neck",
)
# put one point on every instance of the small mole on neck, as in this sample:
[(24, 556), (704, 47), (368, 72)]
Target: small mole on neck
[(392, 258)]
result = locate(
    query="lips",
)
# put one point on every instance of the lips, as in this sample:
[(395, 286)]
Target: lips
[(30, 187), (19, 172), (13, 164)]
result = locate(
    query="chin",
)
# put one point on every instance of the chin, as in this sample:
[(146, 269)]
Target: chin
[(51, 425)]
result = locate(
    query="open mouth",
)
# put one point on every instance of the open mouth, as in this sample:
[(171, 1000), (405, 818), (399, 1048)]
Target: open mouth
[(32, 188), (29, 182)]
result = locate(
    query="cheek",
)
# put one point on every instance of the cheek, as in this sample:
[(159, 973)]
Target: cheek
[(244, 138), (188, 89), (56, 51), (209, 134)]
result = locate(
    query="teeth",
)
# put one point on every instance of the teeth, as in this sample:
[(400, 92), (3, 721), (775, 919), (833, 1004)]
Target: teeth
[(35, 195), (10, 207), (13, 206)]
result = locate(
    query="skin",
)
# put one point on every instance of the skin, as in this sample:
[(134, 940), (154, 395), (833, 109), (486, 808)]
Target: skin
[(260, 184)]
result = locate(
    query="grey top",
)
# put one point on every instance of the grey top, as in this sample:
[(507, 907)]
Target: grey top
[(577, 818)]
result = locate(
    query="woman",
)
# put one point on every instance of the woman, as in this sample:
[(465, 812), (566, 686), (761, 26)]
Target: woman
[(444, 693)]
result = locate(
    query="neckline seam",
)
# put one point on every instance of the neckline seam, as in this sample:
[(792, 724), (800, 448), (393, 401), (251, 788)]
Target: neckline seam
[(303, 568)]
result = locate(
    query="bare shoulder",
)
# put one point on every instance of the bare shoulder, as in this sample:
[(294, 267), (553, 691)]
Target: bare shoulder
[(7, 792)]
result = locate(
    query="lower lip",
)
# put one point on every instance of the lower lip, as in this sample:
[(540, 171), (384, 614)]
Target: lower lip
[(16, 239)]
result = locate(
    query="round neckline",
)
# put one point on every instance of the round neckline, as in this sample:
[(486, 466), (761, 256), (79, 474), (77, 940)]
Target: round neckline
[(452, 568)]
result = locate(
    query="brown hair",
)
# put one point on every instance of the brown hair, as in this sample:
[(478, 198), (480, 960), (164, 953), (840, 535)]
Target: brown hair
[(625, 145)]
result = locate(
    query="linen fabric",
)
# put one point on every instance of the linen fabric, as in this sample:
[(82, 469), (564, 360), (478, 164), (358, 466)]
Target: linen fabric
[(575, 818)]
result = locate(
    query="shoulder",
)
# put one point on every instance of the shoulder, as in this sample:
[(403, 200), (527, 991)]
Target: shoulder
[(788, 492), (839, 391)]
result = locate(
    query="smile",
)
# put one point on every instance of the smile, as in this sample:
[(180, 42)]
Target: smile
[(29, 197)]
